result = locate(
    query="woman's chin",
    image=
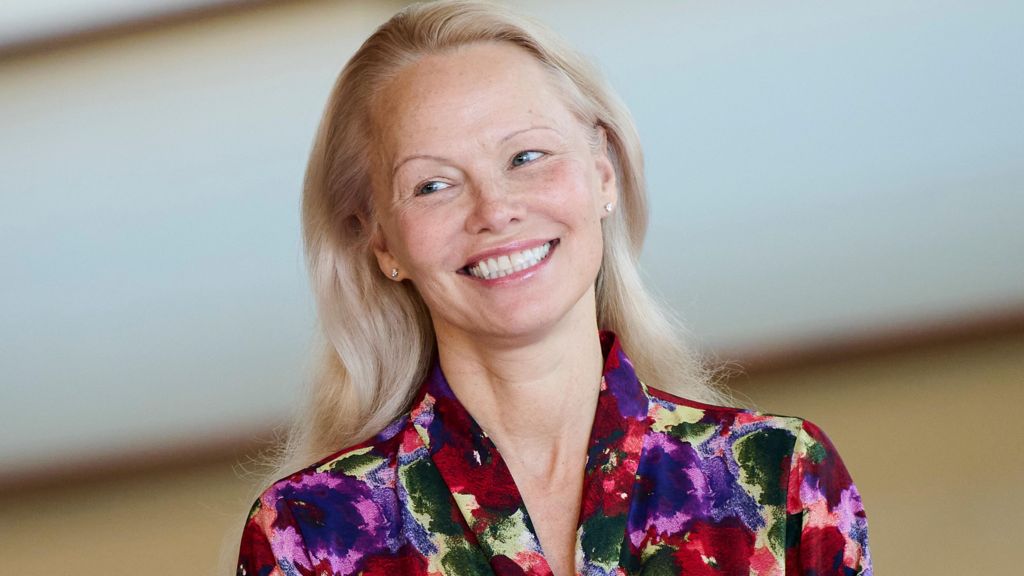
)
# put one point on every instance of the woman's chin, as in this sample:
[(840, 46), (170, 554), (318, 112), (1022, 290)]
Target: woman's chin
[(525, 322)]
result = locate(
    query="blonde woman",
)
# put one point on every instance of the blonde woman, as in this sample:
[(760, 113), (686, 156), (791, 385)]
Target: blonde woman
[(499, 394)]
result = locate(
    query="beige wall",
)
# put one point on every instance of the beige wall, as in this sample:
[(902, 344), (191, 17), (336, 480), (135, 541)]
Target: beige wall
[(933, 438), (170, 522), (935, 443)]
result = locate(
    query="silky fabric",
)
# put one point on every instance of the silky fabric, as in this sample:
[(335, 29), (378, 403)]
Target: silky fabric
[(671, 487)]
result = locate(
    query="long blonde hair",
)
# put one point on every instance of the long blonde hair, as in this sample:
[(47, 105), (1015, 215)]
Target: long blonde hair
[(377, 339)]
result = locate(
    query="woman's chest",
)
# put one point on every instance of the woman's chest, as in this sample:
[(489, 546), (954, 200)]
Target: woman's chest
[(672, 517)]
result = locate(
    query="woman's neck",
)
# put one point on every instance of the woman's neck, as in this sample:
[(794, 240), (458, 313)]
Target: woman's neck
[(536, 400)]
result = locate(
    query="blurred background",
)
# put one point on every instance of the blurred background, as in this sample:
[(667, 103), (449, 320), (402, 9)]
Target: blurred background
[(837, 195)]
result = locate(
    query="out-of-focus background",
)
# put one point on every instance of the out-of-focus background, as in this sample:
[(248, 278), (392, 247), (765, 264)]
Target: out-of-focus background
[(837, 196)]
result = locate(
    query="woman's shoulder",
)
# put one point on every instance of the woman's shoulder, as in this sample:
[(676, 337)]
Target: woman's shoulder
[(667, 409), (784, 466), (347, 499), (755, 439), (367, 465)]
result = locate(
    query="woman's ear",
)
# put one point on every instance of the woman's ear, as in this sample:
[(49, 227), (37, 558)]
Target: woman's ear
[(605, 169), (386, 261)]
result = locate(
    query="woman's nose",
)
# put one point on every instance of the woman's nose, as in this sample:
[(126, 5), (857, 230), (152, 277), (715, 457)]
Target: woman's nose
[(495, 206)]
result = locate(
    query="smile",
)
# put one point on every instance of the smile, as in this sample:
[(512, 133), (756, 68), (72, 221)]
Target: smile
[(491, 268)]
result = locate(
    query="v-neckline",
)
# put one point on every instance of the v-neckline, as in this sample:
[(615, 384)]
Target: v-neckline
[(488, 498)]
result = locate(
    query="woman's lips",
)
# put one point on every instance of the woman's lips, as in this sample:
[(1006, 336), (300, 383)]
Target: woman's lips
[(509, 262)]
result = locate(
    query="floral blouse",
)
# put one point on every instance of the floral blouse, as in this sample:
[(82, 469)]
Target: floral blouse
[(671, 486)]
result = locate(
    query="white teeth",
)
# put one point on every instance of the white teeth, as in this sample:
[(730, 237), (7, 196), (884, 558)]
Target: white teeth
[(509, 263)]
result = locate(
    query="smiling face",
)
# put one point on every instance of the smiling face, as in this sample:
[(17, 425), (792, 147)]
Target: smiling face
[(489, 194)]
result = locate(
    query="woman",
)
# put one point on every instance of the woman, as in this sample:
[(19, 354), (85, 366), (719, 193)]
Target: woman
[(473, 212)]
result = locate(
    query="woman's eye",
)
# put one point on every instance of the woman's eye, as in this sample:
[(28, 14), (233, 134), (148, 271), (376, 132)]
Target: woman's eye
[(430, 187), (525, 157)]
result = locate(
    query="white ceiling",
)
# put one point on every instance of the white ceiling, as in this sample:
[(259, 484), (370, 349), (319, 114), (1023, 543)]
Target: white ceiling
[(24, 21), (815, 170)]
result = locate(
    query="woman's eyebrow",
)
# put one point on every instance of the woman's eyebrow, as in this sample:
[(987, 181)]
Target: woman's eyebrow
[(515, 133), (503, 139), (416, 157)]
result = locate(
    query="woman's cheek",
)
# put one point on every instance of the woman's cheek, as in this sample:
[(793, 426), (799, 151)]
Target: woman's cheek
[(418, 237), (563, 184)]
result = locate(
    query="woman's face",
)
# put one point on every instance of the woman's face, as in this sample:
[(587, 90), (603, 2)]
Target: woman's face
[(489, 194)]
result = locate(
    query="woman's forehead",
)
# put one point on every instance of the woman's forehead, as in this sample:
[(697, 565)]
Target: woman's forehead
[(481, 91)]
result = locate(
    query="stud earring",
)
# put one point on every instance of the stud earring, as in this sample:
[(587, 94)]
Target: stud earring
[(608, 207), (394, 273)]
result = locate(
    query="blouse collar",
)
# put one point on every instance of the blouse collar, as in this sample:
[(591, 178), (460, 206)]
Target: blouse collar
[(487, 496)]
